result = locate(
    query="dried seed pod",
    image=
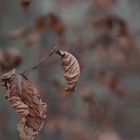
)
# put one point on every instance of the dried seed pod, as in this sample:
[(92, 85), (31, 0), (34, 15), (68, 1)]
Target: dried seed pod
[(26, 101), (71, 70)]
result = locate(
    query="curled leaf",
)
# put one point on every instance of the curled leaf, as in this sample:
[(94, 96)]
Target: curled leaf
[(26, 101), (71, 70)]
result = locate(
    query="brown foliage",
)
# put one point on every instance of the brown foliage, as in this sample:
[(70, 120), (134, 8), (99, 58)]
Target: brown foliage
[(24, 98), (71, 70), (112, 47)]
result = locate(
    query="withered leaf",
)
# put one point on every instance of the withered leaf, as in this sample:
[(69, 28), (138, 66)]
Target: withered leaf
[(71, 70), (24, 98)]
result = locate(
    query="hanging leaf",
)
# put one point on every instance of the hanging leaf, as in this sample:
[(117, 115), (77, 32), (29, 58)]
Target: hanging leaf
[(71, 70), (26, 101)]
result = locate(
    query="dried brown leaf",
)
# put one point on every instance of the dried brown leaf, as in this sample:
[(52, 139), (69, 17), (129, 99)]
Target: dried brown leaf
[(71, 70), (26, 101)]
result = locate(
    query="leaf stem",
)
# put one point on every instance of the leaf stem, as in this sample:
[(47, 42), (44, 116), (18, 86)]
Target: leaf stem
[(41, 61)]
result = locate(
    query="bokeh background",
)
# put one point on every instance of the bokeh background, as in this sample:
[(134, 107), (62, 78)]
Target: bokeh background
[(104, 36)]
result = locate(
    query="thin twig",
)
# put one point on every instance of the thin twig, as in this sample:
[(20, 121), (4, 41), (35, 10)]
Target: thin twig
[(41, 61)]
